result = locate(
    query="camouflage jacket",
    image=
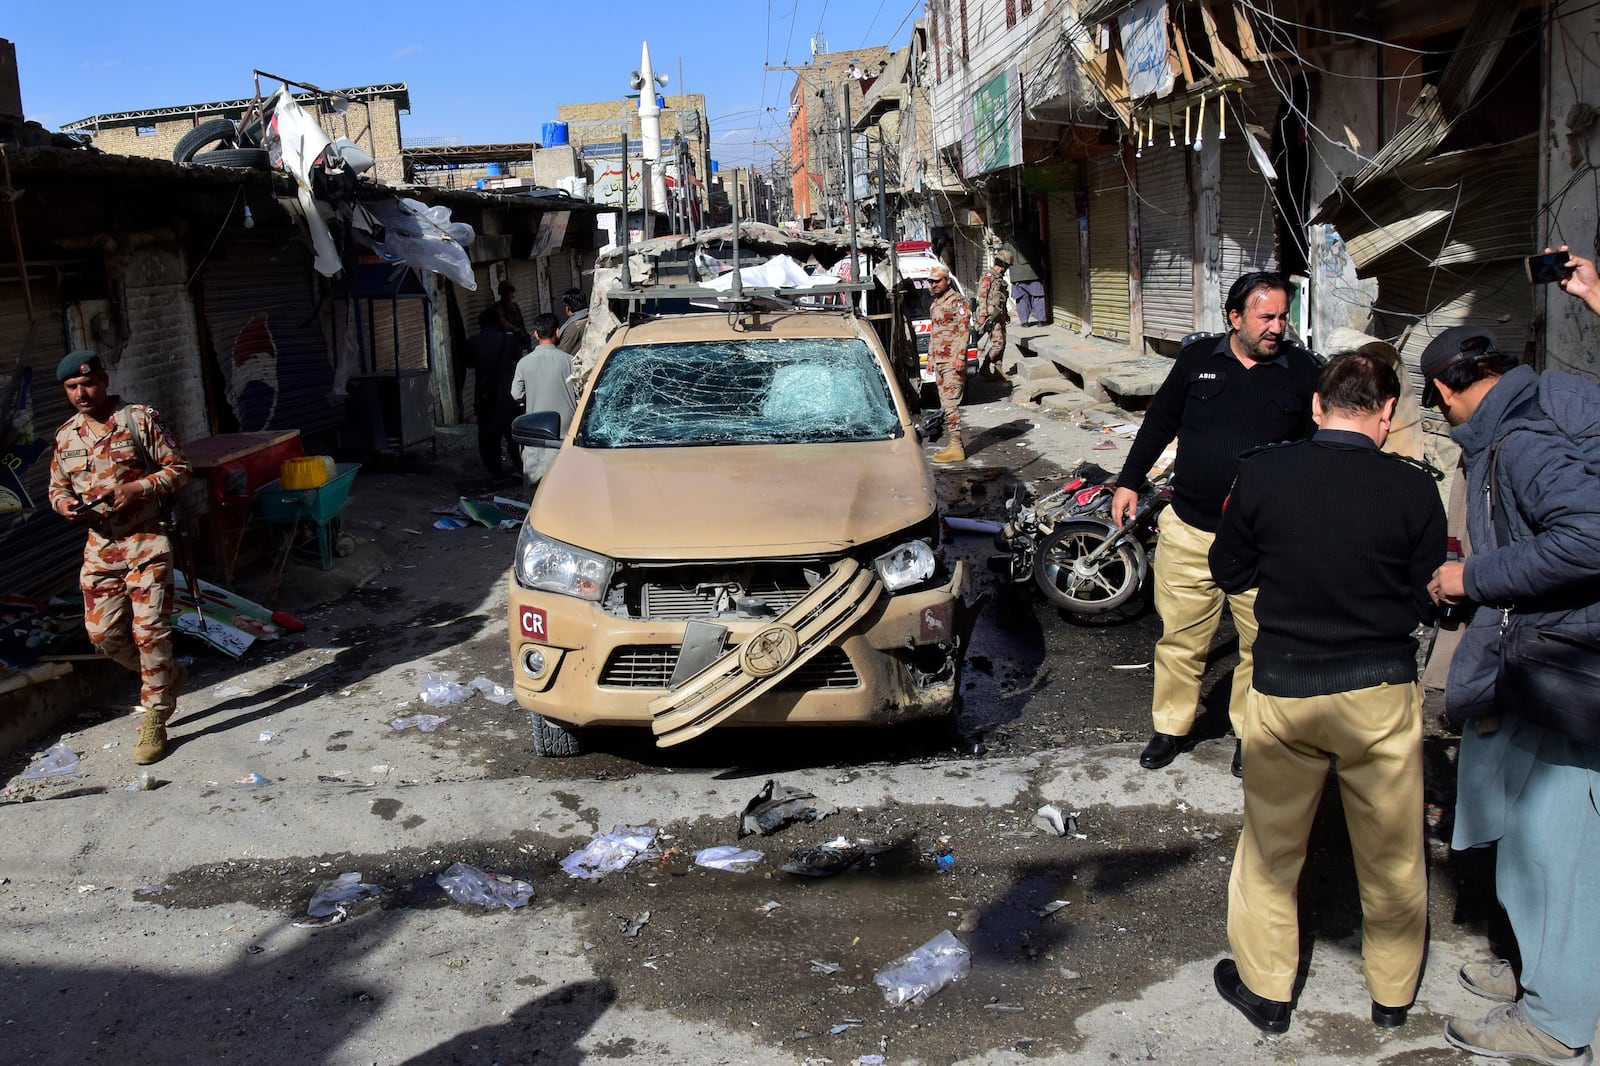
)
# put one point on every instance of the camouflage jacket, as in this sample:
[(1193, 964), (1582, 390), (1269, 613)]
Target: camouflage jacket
[(949, 327), (992, 298), (90, 458)]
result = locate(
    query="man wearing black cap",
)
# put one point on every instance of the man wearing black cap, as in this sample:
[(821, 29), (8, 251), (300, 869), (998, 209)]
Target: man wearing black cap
[(113, 466), (1524, 785), (1223, 396)]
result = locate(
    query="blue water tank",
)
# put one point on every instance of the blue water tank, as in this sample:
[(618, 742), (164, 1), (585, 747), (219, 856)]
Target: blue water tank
[(557, 136), (492, 169), (546, 132), (713, 166), (481, 183)]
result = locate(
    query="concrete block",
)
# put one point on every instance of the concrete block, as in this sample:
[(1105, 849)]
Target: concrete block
[(1033, 368), (1136, 378), (1069, 399)]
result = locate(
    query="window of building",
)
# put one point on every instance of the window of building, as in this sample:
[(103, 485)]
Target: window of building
[(933, 36), (1027, 8), (1011, 13), (145, 131), (964, 56)]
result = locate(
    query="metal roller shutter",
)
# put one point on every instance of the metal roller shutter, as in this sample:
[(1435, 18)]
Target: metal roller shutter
[(473, 303), (265, 319), (532, 290), (1066, 278), (1108, 248), (967, 257), (1246, 213), (39, 550), (1165, 243), (407, 317)]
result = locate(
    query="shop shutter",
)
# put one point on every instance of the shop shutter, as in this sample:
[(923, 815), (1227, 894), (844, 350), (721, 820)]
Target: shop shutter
[(1246, 214), (967, 257), (265, 317), (1165, 243), (39, 550), (1108, 248), (532, 290), (473, 303), (1066, 277), (409, 318)]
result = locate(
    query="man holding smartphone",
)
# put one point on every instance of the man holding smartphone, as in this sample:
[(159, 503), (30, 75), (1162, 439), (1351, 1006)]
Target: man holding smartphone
[(98, 479)]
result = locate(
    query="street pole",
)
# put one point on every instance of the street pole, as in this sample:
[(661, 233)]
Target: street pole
[(627, 281), (849, 177)]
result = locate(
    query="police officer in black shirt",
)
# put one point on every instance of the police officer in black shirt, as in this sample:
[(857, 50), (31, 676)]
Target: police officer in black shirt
[(1224, 396)]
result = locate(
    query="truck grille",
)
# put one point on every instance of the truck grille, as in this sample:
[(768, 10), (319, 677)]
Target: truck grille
[(650, 666), (681, 593)]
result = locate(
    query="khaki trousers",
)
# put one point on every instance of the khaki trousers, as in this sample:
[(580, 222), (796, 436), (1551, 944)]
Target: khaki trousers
[(1190, 605), (1373, 738)]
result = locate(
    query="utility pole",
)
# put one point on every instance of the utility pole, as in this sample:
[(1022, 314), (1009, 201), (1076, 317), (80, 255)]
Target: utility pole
[(849, 175)]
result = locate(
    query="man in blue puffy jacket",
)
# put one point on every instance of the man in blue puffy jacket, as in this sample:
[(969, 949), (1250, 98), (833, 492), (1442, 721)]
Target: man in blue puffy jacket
[(1525, 784)]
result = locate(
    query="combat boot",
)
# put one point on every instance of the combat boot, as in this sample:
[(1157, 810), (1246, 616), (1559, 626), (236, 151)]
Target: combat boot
[(152, 745), (952, 452)]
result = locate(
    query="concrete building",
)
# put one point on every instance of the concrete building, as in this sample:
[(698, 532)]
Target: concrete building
[(595, 131), (818, 133), (369, 115)]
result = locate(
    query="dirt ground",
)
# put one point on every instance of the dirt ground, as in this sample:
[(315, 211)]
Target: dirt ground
[(787, 961)]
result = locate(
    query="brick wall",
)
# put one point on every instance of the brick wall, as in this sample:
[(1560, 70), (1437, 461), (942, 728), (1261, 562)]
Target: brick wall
[(161, 363)]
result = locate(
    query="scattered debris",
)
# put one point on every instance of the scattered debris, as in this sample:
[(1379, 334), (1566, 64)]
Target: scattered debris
[(776, 806), (266, 736), (143, 783), (58, 760), (915, 976), (848, 1023), (631, 927), (769, 906), (484, 888), (828, 968), (425, 723), (971, 525), (1132, 666), (346, 888), (1071, 975), (824, 860), (1051, 820), (1053, 906), (450, 523), (1003, 1006), (253, 779), (609, 852), (944, 856), (727, 857)]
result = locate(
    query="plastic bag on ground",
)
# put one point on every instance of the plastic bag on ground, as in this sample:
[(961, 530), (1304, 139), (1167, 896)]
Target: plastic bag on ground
[(439, 690), (346, 888), (777, 805), (59, 760), (923, 972), (609, 852), (468, 884), (729, 858), (493, 692)]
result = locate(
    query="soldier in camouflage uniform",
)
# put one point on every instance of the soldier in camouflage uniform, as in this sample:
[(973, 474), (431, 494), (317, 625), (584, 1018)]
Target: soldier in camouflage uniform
[(97, 479), (949, 322), (993, 313)]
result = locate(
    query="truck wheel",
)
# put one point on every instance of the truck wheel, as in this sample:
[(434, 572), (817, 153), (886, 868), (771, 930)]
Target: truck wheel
[(552, 740), (210, 132), (238, 158)]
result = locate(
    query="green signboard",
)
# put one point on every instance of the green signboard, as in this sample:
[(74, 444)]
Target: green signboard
[(997, 122)]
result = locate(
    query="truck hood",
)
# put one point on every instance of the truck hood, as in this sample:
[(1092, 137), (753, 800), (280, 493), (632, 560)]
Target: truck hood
[(733, 501)]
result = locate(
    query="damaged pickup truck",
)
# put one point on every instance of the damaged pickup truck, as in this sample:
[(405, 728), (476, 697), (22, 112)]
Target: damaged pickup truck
[(740, 529)]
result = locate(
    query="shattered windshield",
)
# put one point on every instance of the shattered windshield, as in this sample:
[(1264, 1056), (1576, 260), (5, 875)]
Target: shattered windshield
[(747, 391)]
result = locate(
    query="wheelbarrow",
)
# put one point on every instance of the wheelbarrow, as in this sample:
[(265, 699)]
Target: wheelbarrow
[(321, 507)]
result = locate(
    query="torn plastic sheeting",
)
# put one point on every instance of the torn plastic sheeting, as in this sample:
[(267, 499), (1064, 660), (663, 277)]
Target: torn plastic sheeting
[(408, 231), (609, 852), (439, 690), (494, 693), (425, 723), (346, 888), (729, 858), (778, 805), (779, 272), (824, 860), (919, 974)]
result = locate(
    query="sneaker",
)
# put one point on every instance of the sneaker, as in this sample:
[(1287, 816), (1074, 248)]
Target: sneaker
[(1504, 1033), (1492, 979), (152, 746)]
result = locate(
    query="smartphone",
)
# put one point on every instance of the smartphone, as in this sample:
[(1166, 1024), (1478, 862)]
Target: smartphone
[(1549, 267)]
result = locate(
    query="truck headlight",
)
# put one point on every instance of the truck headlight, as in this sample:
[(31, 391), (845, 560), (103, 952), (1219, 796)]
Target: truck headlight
[(550, 565), (908, 564)]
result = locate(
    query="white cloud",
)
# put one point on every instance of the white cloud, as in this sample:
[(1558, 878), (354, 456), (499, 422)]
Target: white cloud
[(410, 49)]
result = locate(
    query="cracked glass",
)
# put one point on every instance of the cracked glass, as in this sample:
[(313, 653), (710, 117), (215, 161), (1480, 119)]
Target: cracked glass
[(746, 391)]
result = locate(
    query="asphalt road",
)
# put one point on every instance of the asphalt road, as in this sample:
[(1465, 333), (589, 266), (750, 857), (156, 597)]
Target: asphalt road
[(145, 926)]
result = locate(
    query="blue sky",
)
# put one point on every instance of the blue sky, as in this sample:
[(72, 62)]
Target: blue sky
[(477, 73)]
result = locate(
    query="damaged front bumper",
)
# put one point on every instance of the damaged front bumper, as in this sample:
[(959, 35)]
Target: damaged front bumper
[(846, 653)]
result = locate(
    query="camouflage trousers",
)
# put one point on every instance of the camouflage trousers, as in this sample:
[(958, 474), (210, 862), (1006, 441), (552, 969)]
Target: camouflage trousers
[(992, 349), (127, 589), (951, 374)]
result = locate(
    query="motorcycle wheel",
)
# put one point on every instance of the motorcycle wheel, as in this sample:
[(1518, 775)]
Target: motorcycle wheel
[(1065, 583)]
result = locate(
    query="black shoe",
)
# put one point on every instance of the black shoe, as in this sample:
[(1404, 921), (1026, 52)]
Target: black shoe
[(1238, 758), (1162, 749), (1388, 1017), (1268, 1015)]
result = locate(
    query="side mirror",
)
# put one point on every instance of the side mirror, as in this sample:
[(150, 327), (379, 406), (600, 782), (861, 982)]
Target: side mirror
[(537, 429)]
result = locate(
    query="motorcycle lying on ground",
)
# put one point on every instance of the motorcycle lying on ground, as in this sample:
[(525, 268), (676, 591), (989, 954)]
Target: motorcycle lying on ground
[(1067, 544)]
